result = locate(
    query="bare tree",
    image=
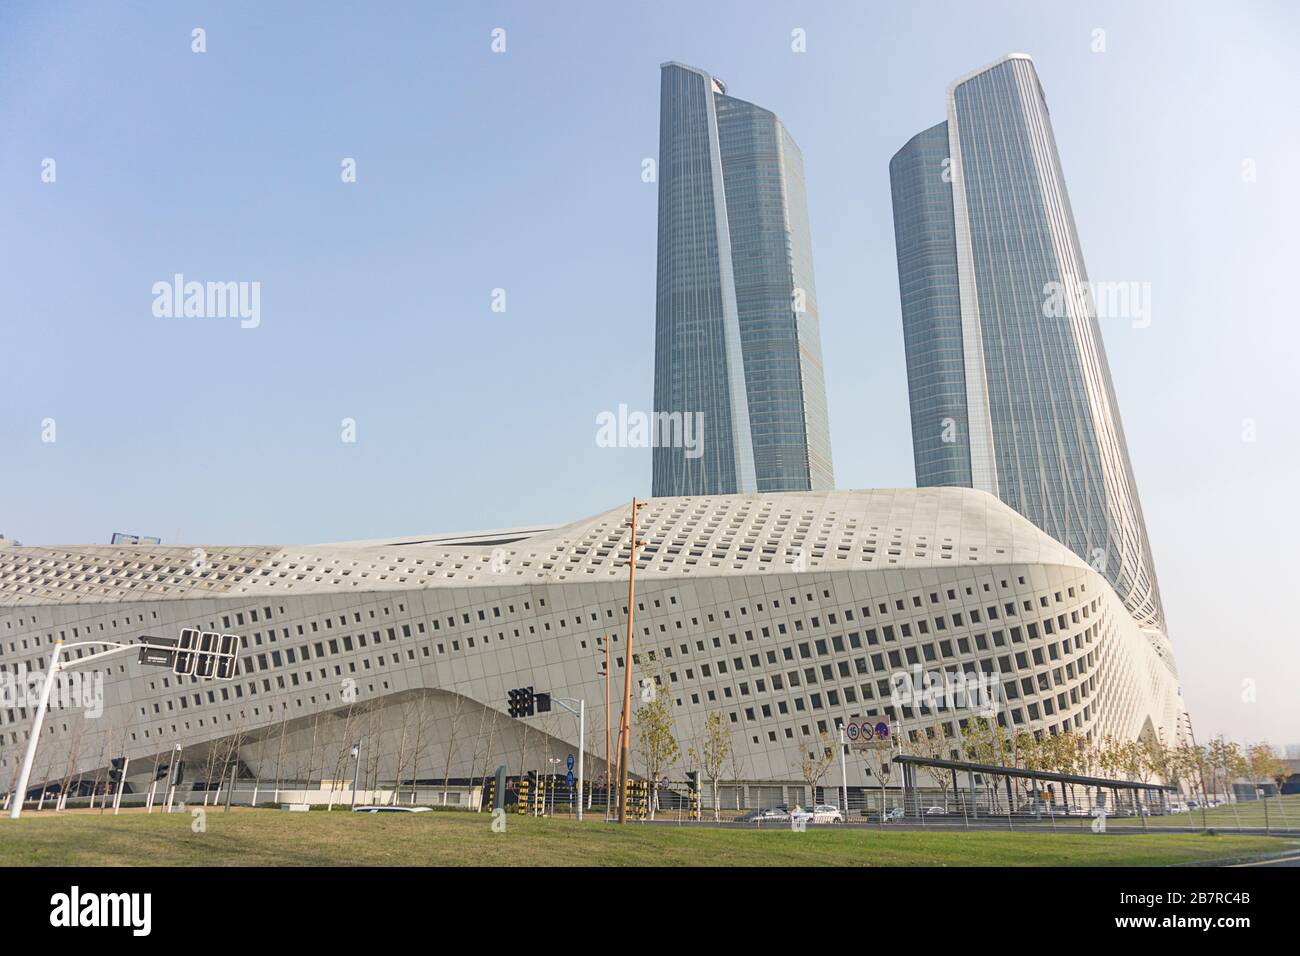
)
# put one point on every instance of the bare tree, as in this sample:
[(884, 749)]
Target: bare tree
[(816, 763), (279, 757), (714, 749), (453, 730), (931, 743)]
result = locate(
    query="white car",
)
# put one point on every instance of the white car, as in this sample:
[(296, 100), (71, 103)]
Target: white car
[(934, 811), (893, 813), (822, 813)]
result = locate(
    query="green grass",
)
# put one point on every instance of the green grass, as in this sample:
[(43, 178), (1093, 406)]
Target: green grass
[(273, 838)]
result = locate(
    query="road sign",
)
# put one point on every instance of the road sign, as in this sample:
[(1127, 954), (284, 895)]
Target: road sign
[(869, 735), (156, 656), (568, 779), (569, 762)]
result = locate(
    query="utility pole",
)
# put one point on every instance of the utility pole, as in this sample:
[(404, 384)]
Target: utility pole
[(609, 794), (625, 725)]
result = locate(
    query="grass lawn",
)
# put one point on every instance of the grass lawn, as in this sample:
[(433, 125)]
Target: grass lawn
[(274, 838)]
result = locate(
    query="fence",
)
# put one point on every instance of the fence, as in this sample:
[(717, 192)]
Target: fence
[(984, 806)]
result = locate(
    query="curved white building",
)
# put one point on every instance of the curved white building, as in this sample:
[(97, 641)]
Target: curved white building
[(785, 612)]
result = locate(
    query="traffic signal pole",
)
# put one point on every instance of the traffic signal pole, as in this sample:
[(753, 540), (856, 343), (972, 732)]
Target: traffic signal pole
[(578, 708), (29, 755), (38, 719)]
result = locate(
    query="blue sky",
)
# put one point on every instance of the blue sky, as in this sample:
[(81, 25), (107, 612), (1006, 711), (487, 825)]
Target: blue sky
[(521, 171)]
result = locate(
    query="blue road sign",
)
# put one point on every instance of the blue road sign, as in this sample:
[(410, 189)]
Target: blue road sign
[(882, 729), (569, 763), (568, 778)]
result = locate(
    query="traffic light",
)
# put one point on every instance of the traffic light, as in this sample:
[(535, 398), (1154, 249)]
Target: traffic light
[(228, 660), (522, 702), (185, 648), (115, 769), (161, 772), (205, 664)]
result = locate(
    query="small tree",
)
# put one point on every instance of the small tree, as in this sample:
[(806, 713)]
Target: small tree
[(712, 753), (1263, 766), (984, 741), (817, 763), (656, 743), (931, 743)]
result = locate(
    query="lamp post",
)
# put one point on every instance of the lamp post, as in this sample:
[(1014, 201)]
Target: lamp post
[(356, 770), (550, 790)]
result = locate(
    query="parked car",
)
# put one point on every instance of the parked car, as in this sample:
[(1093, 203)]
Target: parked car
[(934, 811), (770, 815), (821, 813), (893, 813)]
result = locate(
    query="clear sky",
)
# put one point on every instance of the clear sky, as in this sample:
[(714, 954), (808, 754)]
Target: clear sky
[(521, 171)]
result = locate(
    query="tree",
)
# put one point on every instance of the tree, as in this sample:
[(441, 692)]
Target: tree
[(1188, 763), (931, 743), (1263, 766), (985, 741), (655, 743), (713, 752), (817, 763), (1225, 760)]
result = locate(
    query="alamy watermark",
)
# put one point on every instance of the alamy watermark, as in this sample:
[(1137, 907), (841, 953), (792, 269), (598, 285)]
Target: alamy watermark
[(72, 690), (624, 429), (1105, 300), (941, 690), (208, 300)]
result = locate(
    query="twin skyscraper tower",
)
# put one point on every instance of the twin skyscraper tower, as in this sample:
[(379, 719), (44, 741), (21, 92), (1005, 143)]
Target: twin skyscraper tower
[(1009, 387)]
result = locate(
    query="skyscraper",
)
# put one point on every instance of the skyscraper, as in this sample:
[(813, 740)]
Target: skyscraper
[(1007, 395), (737, 340)]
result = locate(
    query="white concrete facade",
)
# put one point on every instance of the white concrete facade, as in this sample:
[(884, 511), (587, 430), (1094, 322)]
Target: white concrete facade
[(786, 612)]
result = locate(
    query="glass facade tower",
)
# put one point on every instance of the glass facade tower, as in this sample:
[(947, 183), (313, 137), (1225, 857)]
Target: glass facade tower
[(737, 338), (1008, 395)]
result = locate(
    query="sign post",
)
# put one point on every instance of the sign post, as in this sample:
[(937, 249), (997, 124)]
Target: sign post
[(866, 737), (844, 775)]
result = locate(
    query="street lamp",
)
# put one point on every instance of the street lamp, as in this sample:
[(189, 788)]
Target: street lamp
[(356, 770), (550, 790)]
